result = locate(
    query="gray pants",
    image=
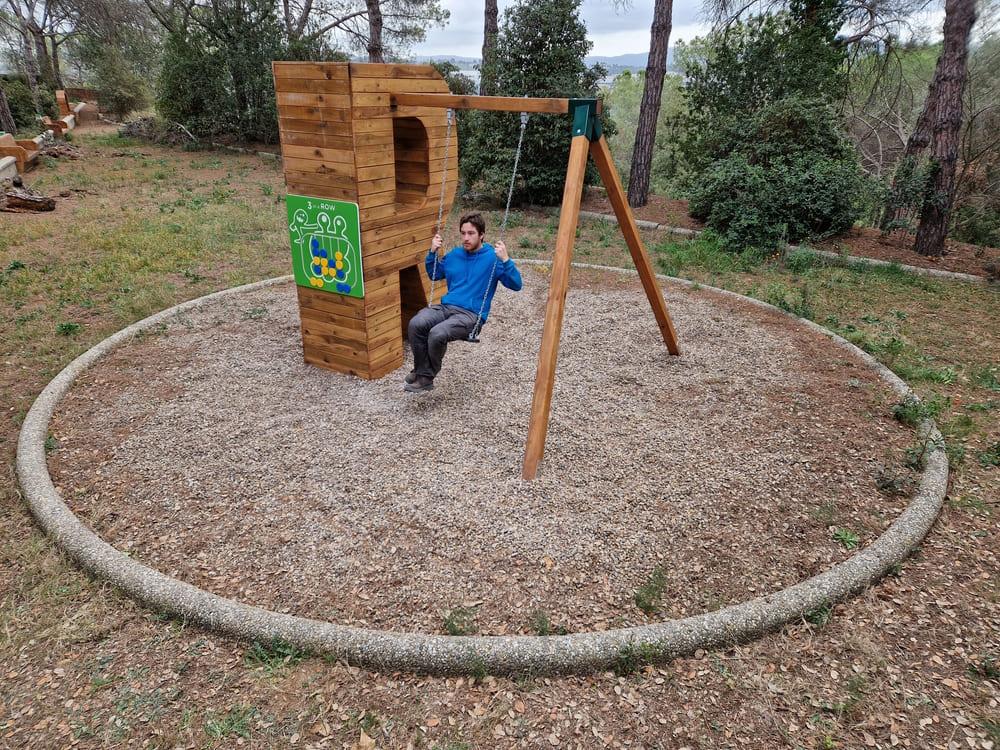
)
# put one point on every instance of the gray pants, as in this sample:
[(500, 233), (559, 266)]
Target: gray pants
[(431, 329)]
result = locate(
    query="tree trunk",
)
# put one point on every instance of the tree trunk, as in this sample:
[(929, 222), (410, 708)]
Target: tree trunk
[(31, 70), (42, 55), (920, 138), (376, 53), (490, 31), (950, 77), (918, 141), (649, 110), (7, 123), (56, 71)]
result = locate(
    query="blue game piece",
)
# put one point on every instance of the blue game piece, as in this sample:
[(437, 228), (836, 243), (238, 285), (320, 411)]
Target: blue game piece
[(340, 274), (345, 288), (322, 253), (318, 270), (315, 253), (315, 243)]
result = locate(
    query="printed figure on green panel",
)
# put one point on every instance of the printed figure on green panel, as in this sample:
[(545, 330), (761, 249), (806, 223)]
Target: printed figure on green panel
[(326, 244)]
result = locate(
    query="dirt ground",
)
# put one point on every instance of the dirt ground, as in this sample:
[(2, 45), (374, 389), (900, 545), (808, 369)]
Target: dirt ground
[(959, 257), (660, 209), (913, 662)]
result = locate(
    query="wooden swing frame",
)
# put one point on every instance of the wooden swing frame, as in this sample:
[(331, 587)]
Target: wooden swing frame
[(587, 139)]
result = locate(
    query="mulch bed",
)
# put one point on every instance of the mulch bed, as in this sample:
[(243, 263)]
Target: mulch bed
[(960, 257), (211, 452), (660, 209)]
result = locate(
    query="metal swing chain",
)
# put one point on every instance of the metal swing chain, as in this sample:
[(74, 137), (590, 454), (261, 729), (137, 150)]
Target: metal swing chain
[(444, 179), (474, 336)]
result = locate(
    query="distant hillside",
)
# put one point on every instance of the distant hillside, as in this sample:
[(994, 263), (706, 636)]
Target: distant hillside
[(634, 60), (614, 63)]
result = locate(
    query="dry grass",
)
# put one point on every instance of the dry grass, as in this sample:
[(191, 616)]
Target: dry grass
[(912, 662)]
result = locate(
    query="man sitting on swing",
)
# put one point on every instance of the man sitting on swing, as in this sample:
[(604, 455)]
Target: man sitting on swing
[(472, 272)]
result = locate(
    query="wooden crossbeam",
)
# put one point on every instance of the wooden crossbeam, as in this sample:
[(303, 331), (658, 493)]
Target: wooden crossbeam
[(487, 103)]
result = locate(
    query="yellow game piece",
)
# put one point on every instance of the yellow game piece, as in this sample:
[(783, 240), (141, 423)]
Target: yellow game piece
[(338, 255), (324, 262), (340, 265)]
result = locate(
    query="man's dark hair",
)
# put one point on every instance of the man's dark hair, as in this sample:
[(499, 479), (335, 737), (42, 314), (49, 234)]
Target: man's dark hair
[(476, 219)]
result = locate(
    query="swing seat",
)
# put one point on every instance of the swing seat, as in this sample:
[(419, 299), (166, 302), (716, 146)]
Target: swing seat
[(473, 337)]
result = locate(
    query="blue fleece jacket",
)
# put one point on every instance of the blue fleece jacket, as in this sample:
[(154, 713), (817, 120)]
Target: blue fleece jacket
[(468, 273)]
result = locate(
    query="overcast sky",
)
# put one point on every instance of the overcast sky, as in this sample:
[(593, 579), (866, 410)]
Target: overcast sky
[(612, 32)]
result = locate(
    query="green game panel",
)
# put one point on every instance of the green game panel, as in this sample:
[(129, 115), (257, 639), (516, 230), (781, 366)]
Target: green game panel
[(326, 244)]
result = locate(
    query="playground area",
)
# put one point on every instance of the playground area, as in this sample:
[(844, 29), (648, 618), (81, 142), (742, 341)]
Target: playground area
[(341, 501), (671, 486)]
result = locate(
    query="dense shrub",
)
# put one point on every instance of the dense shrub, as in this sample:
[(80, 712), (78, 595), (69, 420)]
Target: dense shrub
[(216, 76), (192, 86), (767, 155), (977, 223), (121, 90), (753, 64), (791, 174), (21, 107), (540, 52)]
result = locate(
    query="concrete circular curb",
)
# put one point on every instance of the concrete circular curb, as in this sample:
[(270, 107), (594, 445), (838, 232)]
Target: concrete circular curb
[(383, 650)]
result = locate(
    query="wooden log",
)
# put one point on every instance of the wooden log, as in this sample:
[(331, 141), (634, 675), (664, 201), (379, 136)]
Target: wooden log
[(19, 200), (619, 201), (541, 402)]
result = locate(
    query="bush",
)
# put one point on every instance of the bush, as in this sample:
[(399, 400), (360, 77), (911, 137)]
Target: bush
[(977, 224), (192, 86), (22, 109), (792, 175), (122, 91), (750, 65), (216, 77)]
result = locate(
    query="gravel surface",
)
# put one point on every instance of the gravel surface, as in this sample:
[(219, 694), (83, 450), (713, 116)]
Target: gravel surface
[(211, 452)]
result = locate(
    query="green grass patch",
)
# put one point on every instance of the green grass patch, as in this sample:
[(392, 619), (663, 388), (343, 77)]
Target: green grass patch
[(460, 621), (911, 411), (647, 597), (632, 657), (541, 624), (235, 723), (990, 458), (274, 656), (846, 538), (681, 257), (819, 616), (987, 377)]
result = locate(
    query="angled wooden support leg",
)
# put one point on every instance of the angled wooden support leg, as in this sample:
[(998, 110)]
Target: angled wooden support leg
[(609, 176), (545, 377)]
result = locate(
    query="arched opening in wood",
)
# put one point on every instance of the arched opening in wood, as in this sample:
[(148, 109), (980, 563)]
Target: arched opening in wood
[(412, 154)]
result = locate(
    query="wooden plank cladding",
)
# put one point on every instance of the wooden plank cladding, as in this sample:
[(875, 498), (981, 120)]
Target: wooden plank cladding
[(342, 138)]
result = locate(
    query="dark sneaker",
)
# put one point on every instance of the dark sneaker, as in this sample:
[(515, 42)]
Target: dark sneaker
[(420, 384), (411, 378)]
